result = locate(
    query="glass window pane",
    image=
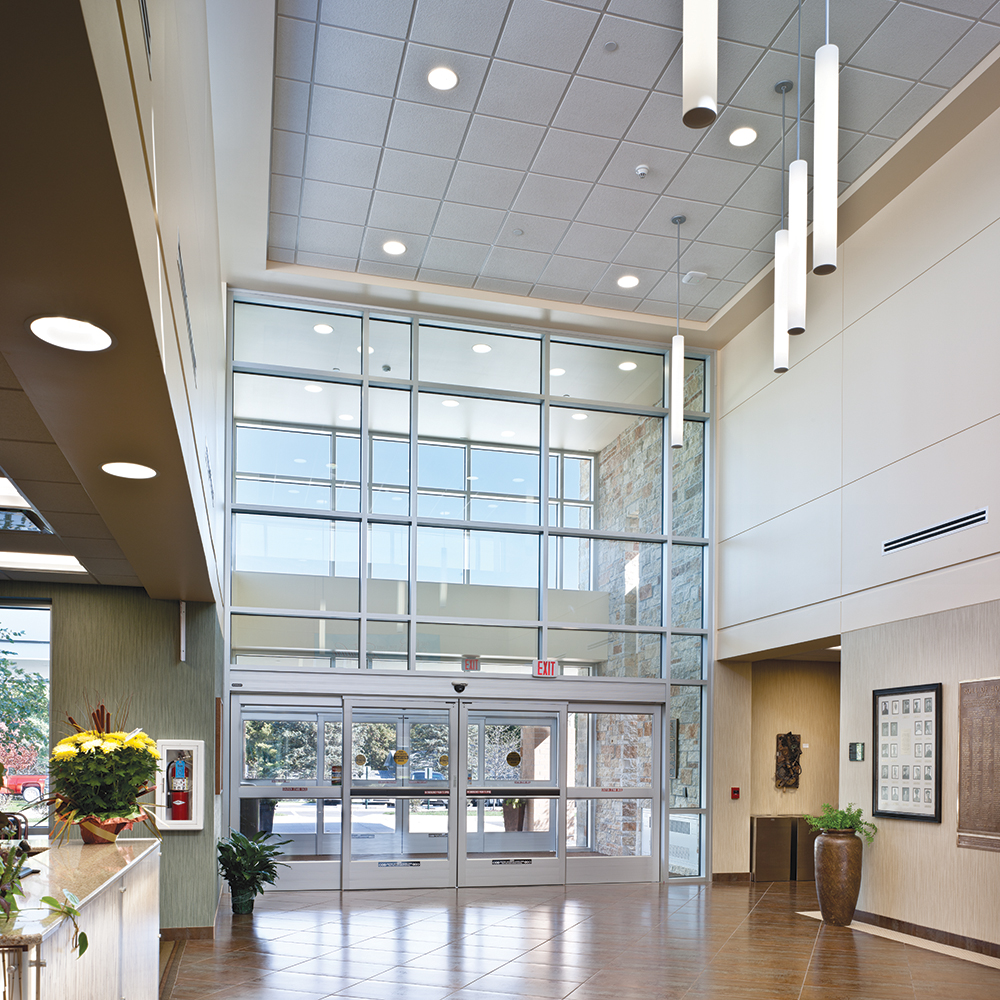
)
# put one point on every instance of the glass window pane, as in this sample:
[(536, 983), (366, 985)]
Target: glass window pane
[(442, 466), (388, 568), (511, 827), (373, 743), (399, 828), (333, 751), (388, 645), (389, 429), (609, 828), (686, 657), (694, 385), (688, 482), (484, 360), (686, 586), (503, 511), (389, 341), (602, 581), (295, 562), (610, 749), (294, 643), (281, 452), (441, 505), (685, 707), (606, 374), (279, 749), (685, 845), (295, 820), (515, 751), (500, 650), (296, 338), (605, 654)]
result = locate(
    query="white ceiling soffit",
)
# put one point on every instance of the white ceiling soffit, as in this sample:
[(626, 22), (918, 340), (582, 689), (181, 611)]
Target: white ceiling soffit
[(519, 185)]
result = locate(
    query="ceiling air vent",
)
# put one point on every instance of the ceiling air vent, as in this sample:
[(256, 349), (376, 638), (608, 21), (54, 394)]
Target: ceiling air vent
[(937, 530)]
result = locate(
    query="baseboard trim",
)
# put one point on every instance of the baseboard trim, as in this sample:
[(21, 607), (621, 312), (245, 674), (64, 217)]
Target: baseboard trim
[(186, 933), (930, 934), (731, 876)]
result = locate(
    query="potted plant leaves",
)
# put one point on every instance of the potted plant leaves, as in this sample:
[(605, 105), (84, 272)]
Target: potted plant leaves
[(837, 855), (248, 864)]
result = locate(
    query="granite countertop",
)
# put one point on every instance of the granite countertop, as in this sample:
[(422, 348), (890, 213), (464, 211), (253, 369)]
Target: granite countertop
[(83, 869)]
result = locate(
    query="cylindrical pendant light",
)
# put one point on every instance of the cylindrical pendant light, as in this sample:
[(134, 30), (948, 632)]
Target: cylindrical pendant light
[(700, 61), (781, 300), (798, 184), (677, 358), (825, 146)]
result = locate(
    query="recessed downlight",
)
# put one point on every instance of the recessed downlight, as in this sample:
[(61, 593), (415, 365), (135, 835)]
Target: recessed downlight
[(394, 247), (556, 372), (323, 328), (449, 402), (442, 78), (70, 334), (41, 562), (742, 136), (128, 470), (482, 348), (628, 281), (371, 350), (628, 366), (312, 387), (579, 416)]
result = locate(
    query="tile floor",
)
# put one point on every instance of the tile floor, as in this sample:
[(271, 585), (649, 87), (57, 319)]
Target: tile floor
[(640, 942)]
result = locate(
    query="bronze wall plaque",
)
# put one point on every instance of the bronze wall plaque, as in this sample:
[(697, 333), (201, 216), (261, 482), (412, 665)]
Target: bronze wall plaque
[(979, 764)]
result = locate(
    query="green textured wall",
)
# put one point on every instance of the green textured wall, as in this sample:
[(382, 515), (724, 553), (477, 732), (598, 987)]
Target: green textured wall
[(115, 643)]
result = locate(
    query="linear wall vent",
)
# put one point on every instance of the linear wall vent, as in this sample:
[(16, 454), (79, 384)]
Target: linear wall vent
[(937, 530)]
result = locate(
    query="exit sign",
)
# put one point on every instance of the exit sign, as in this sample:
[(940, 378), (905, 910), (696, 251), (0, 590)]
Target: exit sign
[(470, 661), (546, 668)]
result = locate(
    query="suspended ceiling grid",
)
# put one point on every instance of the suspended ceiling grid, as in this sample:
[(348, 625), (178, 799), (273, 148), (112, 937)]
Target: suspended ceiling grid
[(522, 179)]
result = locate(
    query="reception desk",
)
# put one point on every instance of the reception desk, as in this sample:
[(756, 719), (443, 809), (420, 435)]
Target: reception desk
[(118, 888)]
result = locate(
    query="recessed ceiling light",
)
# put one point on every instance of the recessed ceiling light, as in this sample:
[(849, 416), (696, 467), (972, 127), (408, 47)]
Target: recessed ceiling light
[(449, 402), (128, 470), (556, 372), (628, 366), (323, 328), (394, 247), (9, 497), (71, 334), (743, 136), (442, 78), (344, 416), (299, 461), (371, 350), (482, 348), (312, 387), (472, 479), (41, 562), (506, 434), (579, 416), (293, 491), (628, 281)]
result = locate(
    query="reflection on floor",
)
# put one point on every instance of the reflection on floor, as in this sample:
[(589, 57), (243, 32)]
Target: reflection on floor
[(609, 942)]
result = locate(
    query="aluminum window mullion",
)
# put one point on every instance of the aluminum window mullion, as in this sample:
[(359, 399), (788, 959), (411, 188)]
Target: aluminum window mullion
[(543, 500), (365, 496), (411, 645)]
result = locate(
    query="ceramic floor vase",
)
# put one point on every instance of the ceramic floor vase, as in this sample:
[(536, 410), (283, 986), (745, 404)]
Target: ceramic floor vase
[(101, 831), (837, 857)]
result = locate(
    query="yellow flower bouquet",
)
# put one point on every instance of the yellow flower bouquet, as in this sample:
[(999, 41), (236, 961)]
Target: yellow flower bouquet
[(97, 776)]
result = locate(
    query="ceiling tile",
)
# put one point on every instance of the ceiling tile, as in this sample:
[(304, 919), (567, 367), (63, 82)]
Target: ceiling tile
[(291, 104), (570, 154), (697, 216), (656, 125), (524, 93), (662, 164), (387, 270), (354, 60), (557, 294), (18, 418), (547, 34), (336, 202), (608, 300), (504, 286), (413, 173), (866, 98), (757, 22), (572, 272), (467, 222), (909, 110), (909, 41), (78, 525), (26, 460), (737, 227), (648, 279), (642, 52), (617, 207), (344, 114), (447, 277), (402, 212), (287, 152), (762, 190), (285, 194), (317, 236), (380, 17), (993, 15), (666, 290), (537, 232), (714, 260), (851, 22), (552, 196), (293, 48), (7, 379), (281, 255), (718, 296), (341, 162), (371, 247), (736, 61), (716, 141), (699, 314), (864, 154), (515, 265), (477, 184), (298, 8), (421, 59), (96, 548), (592, 242), (706, 178), (454, 255), (964, 55), (501, 143), (668, 14), (758, 93), (458, 24), (326, 260), (281, 230), (751, 265), (422, 128), (598, 107), (967, 8)]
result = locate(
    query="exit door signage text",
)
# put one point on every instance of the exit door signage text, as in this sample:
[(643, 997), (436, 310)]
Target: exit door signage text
[(470, 661), (546, 668)]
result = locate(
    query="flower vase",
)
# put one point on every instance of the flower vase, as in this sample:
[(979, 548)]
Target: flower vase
[(837, 856), (101, 831)]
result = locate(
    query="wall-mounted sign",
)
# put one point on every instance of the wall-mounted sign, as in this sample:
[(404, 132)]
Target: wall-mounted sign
[(546, 668), (336, 774), (513, 759), (400, 757), (855, 751), (361, 760), (979, 764), (470, 661), (443, 760)]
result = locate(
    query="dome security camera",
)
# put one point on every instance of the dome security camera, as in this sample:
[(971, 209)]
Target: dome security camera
[(459, 688)]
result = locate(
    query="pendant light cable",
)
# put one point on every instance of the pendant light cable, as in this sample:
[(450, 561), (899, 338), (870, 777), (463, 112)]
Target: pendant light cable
[(677, 357), (798, 209), (781, 338)]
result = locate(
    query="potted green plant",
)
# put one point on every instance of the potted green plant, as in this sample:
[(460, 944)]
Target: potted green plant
[(248, 864), (837, 856)]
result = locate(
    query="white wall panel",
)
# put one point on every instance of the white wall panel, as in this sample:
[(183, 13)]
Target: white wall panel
[(924, 364), (785, 629), (745, 363), (782, 447), (787, 562)]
